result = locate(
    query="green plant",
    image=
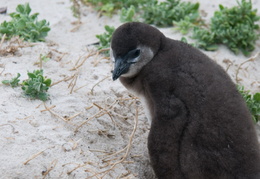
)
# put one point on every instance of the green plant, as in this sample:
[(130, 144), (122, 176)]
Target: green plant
[(252, 101), (25, 25), (75, 8), (45, 58), (105, 38), (110, 7), (166, 12), (184, 25), (206, 39), (36, 86), (234, 27), (127, 14), (14, 82)]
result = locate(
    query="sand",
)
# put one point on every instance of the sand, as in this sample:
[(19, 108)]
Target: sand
[(88, 117)]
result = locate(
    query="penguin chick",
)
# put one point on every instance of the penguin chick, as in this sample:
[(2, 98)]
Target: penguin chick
[(200, 125)]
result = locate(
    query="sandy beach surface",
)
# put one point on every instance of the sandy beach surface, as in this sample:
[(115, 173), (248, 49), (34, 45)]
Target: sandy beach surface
[(86, 128)]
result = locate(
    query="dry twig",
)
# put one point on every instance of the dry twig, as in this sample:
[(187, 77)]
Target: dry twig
[(79, 64), (126, 149), (58, 116), (253, 58), (92, 89), (65, 79), (36, 155), (53, 164)]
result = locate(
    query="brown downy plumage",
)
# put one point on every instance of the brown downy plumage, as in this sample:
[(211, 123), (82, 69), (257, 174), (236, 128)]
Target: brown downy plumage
[(200, 124)]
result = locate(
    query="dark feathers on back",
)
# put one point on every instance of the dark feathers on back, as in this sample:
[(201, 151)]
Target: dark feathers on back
[(201, 127)]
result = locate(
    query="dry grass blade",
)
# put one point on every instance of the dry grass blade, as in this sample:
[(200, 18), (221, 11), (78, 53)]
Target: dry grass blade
[(92, 89), (107, 112), (89, 119), (77, 24), (102, 50), (73, 83), (65, 79), (53, 113), (126, 149), (101, 112), (79, 166), (73, 116), (251, 59), (53, 164), (36, 155), (12, 46), (79, 64), (96, 62)]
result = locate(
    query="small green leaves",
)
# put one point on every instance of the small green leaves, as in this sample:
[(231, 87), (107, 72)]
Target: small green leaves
[(110, 7), (23, 9), (164, 13), (252, 101), (234, 27), (36, 86), (14, 82), (105, 38), (25, 25), (127, 14)]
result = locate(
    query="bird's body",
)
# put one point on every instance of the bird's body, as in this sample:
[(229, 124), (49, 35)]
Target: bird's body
[(200, 125)]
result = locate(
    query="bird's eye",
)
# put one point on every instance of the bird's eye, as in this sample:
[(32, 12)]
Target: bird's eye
[(133, 53), (136, 53), (132, 56)]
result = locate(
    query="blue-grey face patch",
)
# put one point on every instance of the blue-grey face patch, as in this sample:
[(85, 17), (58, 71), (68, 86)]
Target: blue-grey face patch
[(120, 68), (123, 64)]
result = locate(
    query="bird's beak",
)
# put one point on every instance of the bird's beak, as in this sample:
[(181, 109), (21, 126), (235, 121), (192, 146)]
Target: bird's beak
[(120, 68)]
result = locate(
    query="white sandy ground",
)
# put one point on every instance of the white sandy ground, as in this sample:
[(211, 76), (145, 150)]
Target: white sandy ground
[(40, 143)]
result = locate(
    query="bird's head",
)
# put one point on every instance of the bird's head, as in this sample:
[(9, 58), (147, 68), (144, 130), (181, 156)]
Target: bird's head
[(133, 45)]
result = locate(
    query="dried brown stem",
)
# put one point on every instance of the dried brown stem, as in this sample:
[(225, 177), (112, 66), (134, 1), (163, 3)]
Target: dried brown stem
[(53, 113), (79, 166), (92, 89), (65, 79), (99, 60), (53, 164), (107, 112), (89, 119), (241, 64), (127, 149), (71, 117), (36, 155), (73, 83), (83, 61)]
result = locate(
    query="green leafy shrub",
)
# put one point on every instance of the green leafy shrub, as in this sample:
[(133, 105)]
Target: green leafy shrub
[(14, 82), (184, 25), (36, 86), (127, 14), (110, 7), (234, 27), (105, 38), (206, 39), (25, 25), (166, 12), (252, 101)]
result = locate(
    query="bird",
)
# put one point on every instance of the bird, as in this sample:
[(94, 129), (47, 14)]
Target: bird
[(201, 127)]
